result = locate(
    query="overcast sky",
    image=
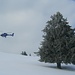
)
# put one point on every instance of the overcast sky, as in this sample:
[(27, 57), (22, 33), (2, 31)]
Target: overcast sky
[(26, 18)]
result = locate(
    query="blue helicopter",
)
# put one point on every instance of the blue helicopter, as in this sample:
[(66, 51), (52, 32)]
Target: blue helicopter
[(6, 34)]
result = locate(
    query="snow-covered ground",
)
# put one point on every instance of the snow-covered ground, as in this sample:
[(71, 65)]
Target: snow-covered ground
[(12, 64)]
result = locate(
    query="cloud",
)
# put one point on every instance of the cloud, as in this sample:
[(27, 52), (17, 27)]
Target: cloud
[(26, 18)]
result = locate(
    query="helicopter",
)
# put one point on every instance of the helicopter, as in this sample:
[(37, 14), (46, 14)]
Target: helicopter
[(6, 34)]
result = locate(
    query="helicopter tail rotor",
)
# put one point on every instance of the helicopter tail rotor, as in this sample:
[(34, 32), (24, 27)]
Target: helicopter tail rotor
[(12, 34)]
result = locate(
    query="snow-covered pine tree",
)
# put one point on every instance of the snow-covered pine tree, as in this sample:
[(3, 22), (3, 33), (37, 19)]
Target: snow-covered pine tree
[(58, 45)]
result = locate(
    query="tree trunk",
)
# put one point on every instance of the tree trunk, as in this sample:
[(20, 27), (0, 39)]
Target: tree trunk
[(59, 65)]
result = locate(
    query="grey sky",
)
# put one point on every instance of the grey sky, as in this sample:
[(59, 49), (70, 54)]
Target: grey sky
[(26, 18)]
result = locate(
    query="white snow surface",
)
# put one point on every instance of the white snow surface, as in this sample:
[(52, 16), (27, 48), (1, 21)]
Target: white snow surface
[(12, 64)]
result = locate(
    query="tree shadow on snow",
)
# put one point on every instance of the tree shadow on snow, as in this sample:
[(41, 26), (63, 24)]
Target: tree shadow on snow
[(68, 67), (63, 67)]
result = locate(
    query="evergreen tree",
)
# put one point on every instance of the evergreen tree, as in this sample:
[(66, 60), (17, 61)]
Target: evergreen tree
[(24, 53), (58, 45)]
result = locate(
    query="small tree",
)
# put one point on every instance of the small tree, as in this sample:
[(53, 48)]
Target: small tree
[(24, 53), (29, 54), (58, 45)]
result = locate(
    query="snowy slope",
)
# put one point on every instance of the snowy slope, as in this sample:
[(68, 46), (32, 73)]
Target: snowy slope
[(12, 64)]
